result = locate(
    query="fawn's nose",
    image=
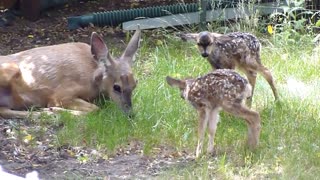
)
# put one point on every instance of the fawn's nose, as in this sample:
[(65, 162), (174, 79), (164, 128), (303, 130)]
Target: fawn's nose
[(205, 54)]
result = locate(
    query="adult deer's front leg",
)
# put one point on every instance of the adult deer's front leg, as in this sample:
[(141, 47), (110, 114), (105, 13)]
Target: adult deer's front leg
[(15, 114), (67, 98), (76, 104), (10, 114)]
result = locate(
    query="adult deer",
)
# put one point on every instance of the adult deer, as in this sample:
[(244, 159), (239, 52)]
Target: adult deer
[(67, 77)]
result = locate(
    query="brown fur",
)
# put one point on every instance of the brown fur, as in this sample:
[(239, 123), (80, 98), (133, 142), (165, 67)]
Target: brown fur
[(70, 76), (221, 89)]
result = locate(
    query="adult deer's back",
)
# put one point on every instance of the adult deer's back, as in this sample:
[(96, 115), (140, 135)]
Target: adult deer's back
[(75, 74)]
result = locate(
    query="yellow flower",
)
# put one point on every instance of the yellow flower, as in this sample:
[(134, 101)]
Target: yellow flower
[(270, 29)]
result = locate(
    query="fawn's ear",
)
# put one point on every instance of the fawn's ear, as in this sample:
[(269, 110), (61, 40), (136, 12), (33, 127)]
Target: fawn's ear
[(215, 35), (189, 36), (181, 84), (221, 38)]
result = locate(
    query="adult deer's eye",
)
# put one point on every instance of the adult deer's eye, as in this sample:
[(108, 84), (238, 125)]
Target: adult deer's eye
[(117, 88)]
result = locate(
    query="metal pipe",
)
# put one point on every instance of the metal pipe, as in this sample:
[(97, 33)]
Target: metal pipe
[(114, 18)]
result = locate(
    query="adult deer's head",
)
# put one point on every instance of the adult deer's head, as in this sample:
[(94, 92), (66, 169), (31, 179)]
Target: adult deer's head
[(114, 76)]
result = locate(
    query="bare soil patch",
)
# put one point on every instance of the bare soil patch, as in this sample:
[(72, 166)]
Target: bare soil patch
[(27, 146)]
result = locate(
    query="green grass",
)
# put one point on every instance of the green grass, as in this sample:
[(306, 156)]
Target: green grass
[(290, 138)]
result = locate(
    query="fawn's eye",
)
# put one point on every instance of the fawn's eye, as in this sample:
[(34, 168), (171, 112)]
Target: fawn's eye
[(117, 88)]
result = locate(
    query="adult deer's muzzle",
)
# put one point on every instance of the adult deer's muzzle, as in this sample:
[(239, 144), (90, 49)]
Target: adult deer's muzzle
[(127, 102)]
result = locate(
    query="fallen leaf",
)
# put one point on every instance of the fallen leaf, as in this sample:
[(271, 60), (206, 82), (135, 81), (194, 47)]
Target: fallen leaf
[(71, 153)]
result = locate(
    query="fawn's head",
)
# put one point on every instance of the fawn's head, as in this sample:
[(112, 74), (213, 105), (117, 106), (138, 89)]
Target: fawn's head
[(205, 41), (183, 85), (114, 76)]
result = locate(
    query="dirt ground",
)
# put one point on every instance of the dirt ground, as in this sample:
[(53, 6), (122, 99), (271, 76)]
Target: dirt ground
[(22, 151), (27, 146)]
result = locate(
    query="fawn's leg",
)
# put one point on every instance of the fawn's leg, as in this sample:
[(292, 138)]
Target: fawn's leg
[(268, 76), (252, 76), (203, 122), (252, 119), (213, 121)]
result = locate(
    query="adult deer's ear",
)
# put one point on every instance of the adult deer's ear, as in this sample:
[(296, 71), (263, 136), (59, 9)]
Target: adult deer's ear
[(100, 50), (132, 47)]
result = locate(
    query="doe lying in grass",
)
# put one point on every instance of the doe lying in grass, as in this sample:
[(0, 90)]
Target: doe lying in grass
[(234, 50), (221, 89), (66, 77)]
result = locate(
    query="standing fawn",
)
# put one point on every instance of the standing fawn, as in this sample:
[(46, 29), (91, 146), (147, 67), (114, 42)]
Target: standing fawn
[(234, 50), (67, 76), (221, 89)]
